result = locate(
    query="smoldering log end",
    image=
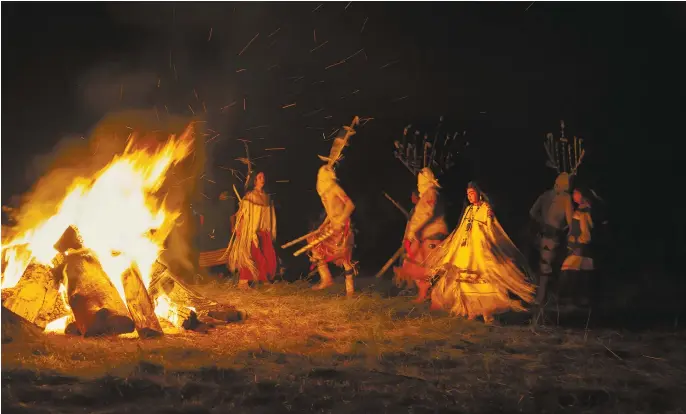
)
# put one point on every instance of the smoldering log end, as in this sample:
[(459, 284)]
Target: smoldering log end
[(70, 240), (108, 323), (191, 322), (228, 315), (72, 329), (148, 333)]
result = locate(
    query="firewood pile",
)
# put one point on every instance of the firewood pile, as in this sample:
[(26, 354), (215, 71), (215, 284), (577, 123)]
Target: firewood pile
[(93, 306)]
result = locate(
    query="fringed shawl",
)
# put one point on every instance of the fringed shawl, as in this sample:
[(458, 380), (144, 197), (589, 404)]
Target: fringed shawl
[(490, 254), (255, 213)]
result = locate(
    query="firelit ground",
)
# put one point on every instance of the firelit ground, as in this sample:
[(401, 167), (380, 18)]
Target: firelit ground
[(304, 351)]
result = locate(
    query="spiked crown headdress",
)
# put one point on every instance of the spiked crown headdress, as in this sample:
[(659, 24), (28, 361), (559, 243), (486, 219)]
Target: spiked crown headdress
[(564, 154)]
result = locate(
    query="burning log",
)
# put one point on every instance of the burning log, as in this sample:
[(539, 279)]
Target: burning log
[(178, 315), (163, 282), (70, 240), (98, 309), (36, 296), (140, 305), (187, 304)]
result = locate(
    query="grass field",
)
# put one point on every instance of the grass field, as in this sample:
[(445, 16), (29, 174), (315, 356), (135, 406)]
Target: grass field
[(304, 351)]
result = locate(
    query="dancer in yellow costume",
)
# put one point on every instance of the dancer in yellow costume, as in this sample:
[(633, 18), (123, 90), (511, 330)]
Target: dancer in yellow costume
[(478, 265)]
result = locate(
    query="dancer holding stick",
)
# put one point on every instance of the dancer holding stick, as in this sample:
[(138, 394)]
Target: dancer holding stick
[(333, 241)]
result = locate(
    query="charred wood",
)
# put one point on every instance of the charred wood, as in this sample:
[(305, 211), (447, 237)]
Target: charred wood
[(70, 240)]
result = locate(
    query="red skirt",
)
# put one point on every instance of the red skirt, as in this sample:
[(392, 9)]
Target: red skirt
[(337, 249), (413, 268), (264, 257)]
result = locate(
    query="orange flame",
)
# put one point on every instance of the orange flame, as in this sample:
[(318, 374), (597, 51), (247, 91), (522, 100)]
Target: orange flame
[(118, 213)]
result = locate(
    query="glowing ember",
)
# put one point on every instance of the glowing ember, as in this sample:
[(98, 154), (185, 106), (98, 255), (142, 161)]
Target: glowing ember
[(118, 213), (58, 325), (164, 308)]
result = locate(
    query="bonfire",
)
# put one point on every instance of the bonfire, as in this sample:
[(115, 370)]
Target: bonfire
[(93, 266)]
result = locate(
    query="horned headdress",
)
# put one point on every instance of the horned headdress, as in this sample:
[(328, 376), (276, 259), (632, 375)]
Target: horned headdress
[(341, 141), (564, 154), (420, 151)]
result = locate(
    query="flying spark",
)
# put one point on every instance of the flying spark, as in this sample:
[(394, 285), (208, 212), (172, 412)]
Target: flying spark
[(314, 112), (353, 55), (249, 43), (212, 139), (223, 107), (389, 64), (325, 42), (335, 64)]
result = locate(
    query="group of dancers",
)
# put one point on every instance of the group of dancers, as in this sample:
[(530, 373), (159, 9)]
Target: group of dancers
[(475, 270)]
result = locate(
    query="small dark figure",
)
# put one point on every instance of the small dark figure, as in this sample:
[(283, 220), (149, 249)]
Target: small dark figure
[(578, 266)]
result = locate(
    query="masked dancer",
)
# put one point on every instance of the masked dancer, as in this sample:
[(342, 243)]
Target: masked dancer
[(333, 240), (338, 247), (478, 265), (552, 213), (553, 210), (425, 230)]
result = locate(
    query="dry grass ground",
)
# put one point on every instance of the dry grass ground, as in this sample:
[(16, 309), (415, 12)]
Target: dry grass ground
[(304, 351)]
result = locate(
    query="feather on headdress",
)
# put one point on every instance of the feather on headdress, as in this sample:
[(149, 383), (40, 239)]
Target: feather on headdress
[(336, 153)]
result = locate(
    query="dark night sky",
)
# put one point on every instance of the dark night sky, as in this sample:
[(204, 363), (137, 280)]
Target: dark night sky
[(612, 71)]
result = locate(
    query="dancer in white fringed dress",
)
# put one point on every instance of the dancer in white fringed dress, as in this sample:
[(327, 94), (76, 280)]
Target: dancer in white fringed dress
[(478, 265)]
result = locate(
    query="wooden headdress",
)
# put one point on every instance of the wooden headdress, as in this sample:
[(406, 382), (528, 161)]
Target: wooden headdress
[(438, 154), (564, 154)]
